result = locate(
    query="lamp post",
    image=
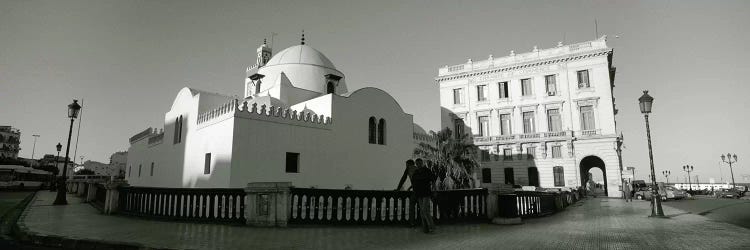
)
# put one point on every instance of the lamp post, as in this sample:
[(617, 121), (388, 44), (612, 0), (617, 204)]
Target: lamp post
[(728, 159), (57, 159), (646, 102), (688, 169), (619, 158), (33, 149), (666, 174), (73, 109)]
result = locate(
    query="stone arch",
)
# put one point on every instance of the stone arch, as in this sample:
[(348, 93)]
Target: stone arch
[(586, 164)]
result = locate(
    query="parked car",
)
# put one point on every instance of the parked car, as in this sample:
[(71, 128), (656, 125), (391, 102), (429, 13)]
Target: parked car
[(644, 193), (675, 193), (726, 193)]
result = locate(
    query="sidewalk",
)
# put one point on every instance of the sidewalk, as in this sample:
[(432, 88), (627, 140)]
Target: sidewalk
[(591, 224)]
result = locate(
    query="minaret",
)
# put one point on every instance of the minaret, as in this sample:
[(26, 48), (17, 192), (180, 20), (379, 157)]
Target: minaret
[(264, 54)]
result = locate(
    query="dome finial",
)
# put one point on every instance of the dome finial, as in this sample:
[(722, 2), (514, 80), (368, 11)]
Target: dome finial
[(303, 37), (264, 41)]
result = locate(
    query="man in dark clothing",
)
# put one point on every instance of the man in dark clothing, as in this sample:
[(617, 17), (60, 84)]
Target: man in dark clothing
[(422, 182), (408, 172)]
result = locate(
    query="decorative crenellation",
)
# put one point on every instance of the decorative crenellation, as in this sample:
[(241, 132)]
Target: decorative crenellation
[(223, 109), (156, 137), (234, 109)]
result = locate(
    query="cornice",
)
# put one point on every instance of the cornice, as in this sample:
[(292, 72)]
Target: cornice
[(522, 65)]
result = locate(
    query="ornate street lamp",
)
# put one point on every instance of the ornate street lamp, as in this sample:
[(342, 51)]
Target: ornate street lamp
[(728, 159), (688, 169), (73, 110), (645, 102), (57, 159), (666, 174)]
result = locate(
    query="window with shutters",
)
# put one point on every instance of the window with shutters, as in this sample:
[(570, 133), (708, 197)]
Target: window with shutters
[(509, 178), (526, 88), (583, 79), (528, 122), (503, 89), (551, 85), (481, 93), (587, 118), (554, 121), (559, 176)]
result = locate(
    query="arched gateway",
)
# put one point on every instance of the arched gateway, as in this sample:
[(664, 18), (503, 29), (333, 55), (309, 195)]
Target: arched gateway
[(589, 162)]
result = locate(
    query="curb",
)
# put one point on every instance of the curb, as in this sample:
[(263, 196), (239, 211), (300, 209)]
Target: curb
[(27, 237)]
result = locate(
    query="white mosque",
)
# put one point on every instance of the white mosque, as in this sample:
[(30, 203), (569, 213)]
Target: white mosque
[(296, 123)]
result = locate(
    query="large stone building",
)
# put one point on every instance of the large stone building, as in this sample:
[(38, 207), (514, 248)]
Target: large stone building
[(10, 139), (295, 122), (542, 118)]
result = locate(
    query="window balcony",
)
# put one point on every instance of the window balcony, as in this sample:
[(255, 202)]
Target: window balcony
[(590, 132)]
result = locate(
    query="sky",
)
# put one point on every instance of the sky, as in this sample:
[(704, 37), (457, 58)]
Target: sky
[(126, 61)]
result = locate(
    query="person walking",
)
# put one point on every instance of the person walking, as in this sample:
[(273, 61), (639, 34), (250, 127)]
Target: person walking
[(626, 192), (408, 173), (422, 182)]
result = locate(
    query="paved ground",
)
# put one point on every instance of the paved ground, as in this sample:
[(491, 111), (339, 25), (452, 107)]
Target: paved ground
[(734, 211), (9, 199), (592, 224)]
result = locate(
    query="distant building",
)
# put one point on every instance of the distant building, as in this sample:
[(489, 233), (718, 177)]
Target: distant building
[(10, 139), (118, 161), (52, 160), (541, 118), (100, 168)]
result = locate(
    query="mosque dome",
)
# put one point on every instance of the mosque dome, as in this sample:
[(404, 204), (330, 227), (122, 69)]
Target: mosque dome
[(300, 54), (306, 68)]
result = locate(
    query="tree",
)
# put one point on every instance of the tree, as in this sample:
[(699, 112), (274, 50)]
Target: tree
[(85, 172), (452, 158)]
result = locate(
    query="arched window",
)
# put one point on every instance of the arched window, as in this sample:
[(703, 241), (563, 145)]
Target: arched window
[(559, 176), (257, 87), (381, 131), (371, 131), (178, 130), (330, 88)]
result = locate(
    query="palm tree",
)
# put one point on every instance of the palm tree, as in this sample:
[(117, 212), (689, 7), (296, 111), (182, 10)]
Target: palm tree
[(451, 158)]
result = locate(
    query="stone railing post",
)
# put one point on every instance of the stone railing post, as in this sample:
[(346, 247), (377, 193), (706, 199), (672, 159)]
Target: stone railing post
[(113, 196), (501, 204), (90, 191), (81, 188), (267, 203)]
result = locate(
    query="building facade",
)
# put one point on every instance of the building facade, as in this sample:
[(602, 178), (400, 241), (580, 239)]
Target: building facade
[(541, 118), (119, 161), (10, 139), (295, 122)]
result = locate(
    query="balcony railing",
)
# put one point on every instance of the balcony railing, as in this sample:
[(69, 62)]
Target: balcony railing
[(527, 136), (590, 132)]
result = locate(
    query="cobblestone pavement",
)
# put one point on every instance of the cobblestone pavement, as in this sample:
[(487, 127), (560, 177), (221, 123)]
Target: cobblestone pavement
[(597, 223)]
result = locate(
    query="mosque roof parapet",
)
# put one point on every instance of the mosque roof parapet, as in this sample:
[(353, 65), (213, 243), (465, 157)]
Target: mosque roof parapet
[(516, 60), (262, 112)]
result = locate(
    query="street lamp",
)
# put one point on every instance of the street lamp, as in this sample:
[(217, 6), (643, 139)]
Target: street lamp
[(33, 149), (728, 159), (73, 109), (666, 174), (688, 169), (57, 159), (646, 102)]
